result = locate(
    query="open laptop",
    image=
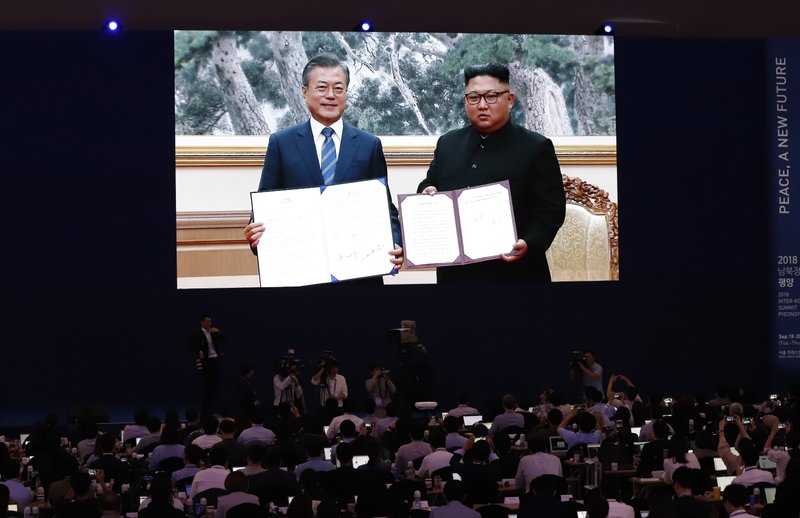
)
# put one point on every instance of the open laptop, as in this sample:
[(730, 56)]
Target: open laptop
[(328, 453), (769, 494), (470, 420), (765, 463), (558, 444), (360, 460), (636, 430), (724, 482), (23, 437), (719, 465)]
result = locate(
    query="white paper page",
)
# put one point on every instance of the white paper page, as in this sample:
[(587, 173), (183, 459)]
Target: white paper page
[(429, 229), (291, 251), (358, 229), (487, 224)]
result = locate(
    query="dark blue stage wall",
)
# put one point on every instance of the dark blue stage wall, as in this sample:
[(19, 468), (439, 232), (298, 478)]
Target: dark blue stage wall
[(91, 314)]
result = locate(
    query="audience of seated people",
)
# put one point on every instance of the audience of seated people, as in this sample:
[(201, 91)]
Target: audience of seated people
[(282, 456)]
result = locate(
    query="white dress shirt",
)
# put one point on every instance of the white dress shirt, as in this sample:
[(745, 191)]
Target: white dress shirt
[(531, 466)]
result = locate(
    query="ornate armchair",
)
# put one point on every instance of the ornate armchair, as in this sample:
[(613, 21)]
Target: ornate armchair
[(586, 247)]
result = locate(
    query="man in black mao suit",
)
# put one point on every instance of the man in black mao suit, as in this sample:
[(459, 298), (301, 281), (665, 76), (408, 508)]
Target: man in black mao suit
[(492, 149), (207, 346), (295, 157)]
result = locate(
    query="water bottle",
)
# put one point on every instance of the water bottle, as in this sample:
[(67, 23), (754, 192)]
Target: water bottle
[(437, 482), (211, 511), (417, 500), (523, 442), (691, 426), (34, 511), (201, 511), (757, 495), (410, 470), (27, 512)]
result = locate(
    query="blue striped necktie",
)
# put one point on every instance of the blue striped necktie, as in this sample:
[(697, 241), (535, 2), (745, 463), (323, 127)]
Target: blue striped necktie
[(328, 156)]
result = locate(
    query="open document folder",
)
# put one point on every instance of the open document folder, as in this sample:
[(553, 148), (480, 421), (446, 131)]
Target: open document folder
[(457, 227), (327, 234)]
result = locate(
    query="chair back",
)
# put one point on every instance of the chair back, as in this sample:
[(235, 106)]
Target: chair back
[(211, 495)]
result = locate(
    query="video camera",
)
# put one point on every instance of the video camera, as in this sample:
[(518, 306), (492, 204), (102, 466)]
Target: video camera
[(285, 364), (326, 359), (576, 359)]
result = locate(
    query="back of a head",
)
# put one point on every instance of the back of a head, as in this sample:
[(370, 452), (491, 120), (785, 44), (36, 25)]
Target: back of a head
[(554, 397), (454, 490), (592, 395), (235, 481), (272, 457), (586, 422), (12, 469), (660, 429), (538, 444), (153, 424), (255, 453), (194, 454), (217, 457), (110, 501), (452, 424), (161, 487), (684, 477), (509, 402), (301, 507), (545, 486), (555, 416), (313, 445), (436, 438), (417, 430), (227, 427), (5, 496), (332, 407), (596, 504), (80, 482), (347, 429), (748, 451), (481, 451), (463, 398), (106, 442), (678, 448), (344, 453), (210, 424), (735, 494)]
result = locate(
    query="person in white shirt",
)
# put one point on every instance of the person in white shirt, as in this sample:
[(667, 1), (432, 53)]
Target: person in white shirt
[(286, 386), (751, 473), (438, 458), (734, 499), (332, 385), (257, 433), (209, 438), (678, 455), (539, 462), (463, 407), (213, 477), (590, 371), (777, 447), (336, 422)]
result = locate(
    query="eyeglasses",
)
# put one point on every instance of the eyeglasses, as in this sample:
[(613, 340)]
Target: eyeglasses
[(489, 97), (324, 89)]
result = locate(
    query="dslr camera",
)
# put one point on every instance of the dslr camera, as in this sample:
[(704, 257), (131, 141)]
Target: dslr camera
[(575, 360), (287, 363)]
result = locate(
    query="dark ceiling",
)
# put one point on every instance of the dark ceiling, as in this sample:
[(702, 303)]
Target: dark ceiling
[(699, 18)]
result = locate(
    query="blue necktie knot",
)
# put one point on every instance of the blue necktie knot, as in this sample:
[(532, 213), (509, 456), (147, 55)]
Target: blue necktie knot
[(328, 163)]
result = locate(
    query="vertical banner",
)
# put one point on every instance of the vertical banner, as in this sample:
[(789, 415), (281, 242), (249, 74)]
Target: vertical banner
[(783, 148)]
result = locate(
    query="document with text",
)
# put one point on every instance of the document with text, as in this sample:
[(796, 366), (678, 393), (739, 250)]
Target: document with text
[(320, 235), (457, 227)]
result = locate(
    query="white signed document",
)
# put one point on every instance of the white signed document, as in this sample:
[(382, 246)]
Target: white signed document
[(319, 235), (457, 227)]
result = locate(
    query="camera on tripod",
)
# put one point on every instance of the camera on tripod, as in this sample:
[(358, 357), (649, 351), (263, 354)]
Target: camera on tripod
[(288, 363)]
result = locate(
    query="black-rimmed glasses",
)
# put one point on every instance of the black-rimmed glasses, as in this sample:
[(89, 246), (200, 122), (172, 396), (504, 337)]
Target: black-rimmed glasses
[(490, 97)]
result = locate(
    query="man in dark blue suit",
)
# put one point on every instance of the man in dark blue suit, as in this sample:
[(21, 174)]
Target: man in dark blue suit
[(299, 156)]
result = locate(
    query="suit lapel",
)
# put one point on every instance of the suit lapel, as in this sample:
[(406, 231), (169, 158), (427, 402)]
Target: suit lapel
[(347, 150), (308, 152)]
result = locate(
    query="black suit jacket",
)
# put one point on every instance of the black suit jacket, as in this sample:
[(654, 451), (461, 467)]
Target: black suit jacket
[(199, 343), (292, 162), (274, 485), (528, 160)]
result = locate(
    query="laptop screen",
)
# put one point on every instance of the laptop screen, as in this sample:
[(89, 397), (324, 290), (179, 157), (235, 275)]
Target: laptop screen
[(724, 482), (635, 430), (328, 453), (470, 420), (769, 494), (719, 464), (557, 443), (360, 460), (23, 437), (765, 463)]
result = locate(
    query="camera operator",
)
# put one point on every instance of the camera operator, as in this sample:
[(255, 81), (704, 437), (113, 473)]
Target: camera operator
[(380, 389), (590, 372), (331, 383), (286, 385)]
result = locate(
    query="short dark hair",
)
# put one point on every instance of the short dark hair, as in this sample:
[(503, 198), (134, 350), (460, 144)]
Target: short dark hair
[(235, 481), (347, 428), (255, 452), (436, 438), (454, 490), (217, 457), (227, 426), (735, 494), (344, 452), (496, 70), (109, 501), (210, 424), (509, 402), (194, 454), (325, 60), (80, 482), (747, 451), (684, 477)]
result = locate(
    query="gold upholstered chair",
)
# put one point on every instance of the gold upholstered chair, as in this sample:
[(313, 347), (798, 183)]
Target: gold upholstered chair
[(586, 247)]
